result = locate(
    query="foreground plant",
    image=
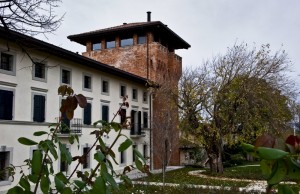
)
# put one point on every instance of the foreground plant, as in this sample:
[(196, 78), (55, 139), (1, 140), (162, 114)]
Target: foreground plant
[(99, 180), (279, 161)]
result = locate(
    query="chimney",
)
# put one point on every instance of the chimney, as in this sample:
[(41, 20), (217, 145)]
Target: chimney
[(148, 16)]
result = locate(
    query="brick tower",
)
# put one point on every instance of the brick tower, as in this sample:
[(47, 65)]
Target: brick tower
[(146, 49)]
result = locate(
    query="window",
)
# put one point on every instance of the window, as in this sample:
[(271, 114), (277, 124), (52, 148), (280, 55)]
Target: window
[(86, 155), (136, 127), (4, 162), (123, 115), (64, 166), (145, 97), (122, 157), (87, 114), (105, 113), (39, 71), (39, 108), (122, 90), (145, 148), (6, 105), (65, 76), (127, 42), (7, 63), (141, 39), (96, 46), (111, 44), (105, 87), (134, 94), (145, 119), (133, 155), (87, 82)]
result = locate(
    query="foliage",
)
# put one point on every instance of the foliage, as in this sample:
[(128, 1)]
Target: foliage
[(99, 180), (279, 161), (29, 17), (235, 97)]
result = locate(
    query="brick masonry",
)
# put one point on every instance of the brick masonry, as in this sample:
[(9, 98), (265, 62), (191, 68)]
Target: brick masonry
[(163, 66)]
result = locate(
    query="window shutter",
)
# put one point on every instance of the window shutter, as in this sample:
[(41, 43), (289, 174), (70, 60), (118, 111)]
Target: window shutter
[(39, 108), (132, 122), (105, 113), (139, 123), (87, 120), (6, 104), (123, 115)]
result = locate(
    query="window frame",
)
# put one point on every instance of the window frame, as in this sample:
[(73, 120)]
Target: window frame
[(83, 112), (13, 102), (32, 106), (124, 42), (136, 97), (84, 75), (3, 148), (13, 71), (70, 76), (34, 70), (102, 92), (89, 163), (94, 45), (125, 90)]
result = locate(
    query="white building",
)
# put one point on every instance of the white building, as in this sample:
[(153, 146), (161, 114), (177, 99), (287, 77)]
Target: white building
[(29, 101)]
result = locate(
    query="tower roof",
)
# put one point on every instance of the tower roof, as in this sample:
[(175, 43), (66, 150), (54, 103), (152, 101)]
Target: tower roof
[(156, 27)]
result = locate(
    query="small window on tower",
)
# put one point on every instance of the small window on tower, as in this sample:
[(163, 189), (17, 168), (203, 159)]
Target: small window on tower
[(96, 46)]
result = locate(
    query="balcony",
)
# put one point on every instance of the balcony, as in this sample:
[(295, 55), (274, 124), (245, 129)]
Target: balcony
[(69, 127), (136, 131)]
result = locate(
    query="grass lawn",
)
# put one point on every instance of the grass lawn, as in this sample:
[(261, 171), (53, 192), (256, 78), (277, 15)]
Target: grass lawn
[(181, 176)]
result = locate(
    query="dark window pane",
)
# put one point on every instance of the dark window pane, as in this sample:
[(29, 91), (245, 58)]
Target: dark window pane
[(96, 46), (134, 94), (105, 112), (111, 44), (145, 119), (65, 77), (39, 108), (6, 104), (123, 91), (145, 96), (123, 115), (122, 157), (6, 62), (141, 39), (133, 154), (39, 70), (127, 42), (4, 162), (87, 82), (87, 114), (145, 151), (139, 124), (86, 155), (105, 86)]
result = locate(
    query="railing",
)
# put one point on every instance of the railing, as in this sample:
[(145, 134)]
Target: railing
[(72, 127)]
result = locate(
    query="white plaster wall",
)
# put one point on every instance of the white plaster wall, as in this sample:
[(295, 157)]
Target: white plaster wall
[(22, 125)]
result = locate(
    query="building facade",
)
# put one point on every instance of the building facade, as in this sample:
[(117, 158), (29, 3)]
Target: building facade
[(31, 72), (146, 49)]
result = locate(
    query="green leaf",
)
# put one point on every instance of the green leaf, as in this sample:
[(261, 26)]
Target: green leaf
[(25, 184), (138, 164), (115, 126), (99, 186), (279, 172), (71, 139), (39, 133), (26, 141), (108, 177), (66, 190), (37, 162), (285, 189), (33, 178), (49, 145), (79, 184), (64, 153), (138, 154), (126, 144), (62, 177), (59, 184), (247, 147), (270, 153), (266, 167), (15, 190), (99, 156), (45, 184)]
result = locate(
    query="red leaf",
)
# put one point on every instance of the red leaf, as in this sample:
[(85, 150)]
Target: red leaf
[(265, 140), (81, 100), (293, 141)]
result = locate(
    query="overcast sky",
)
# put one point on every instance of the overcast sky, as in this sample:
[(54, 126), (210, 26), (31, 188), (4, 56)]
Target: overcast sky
[(209, 26)]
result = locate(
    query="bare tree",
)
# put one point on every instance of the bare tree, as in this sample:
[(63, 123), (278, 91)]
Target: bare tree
[(30, 17)]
